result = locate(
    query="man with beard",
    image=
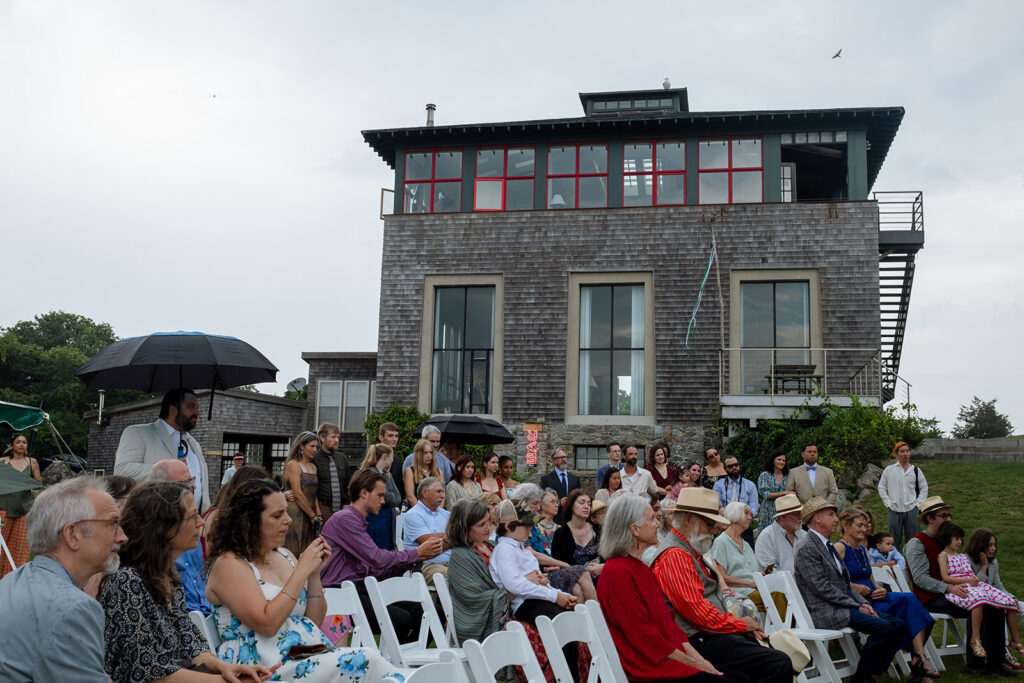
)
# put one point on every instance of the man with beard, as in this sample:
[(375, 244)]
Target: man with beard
[(695, 595), (733, 488), (636, 479), (142, 446), (52, 630), (332, 473)]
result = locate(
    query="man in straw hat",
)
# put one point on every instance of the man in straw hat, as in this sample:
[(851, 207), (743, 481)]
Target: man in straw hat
[(922, 554), (698, 605), (776, 543), (824, 583)]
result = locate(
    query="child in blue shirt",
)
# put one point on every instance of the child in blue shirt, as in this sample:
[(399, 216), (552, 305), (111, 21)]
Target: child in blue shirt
[(882, 553)]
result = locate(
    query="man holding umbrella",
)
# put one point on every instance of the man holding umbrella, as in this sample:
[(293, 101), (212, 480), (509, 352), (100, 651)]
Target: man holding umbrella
[(142, 446)]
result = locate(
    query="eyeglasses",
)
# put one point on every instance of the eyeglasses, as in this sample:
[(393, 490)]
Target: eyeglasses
[(191, 518), (733, 466), (111, 524), (944, 515)]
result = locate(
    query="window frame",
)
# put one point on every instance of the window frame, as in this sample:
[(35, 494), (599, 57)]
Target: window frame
[(342, 407), (433, 180), (577, 175), (729, 168), (504, 177), (654, 173)]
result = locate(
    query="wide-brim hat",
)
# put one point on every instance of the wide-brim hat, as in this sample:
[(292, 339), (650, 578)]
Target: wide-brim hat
[(597, 506), (814, 506), (507, 511), (932, 504), (701, 502), (786, 505)]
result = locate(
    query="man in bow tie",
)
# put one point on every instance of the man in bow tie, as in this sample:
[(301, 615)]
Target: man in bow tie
[(812, 479)]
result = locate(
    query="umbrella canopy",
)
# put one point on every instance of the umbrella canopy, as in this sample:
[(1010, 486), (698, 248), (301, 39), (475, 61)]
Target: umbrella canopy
[(13, 481), (468, 429), (172, 360), (19, 417)]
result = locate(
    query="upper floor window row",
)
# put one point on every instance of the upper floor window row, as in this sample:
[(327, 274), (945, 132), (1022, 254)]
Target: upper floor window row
[(631, 104)]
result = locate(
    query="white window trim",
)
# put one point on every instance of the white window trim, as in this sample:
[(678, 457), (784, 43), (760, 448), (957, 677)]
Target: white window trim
[(430, 283), (572, 365), (339, 419)]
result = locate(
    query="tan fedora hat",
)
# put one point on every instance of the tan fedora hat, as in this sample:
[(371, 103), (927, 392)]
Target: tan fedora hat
[(702, 502), (932, 504), (507, 511), (597, 505), (814, 506), (787, 504)]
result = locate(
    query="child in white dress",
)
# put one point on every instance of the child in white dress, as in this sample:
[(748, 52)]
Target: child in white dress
[(955, 569)]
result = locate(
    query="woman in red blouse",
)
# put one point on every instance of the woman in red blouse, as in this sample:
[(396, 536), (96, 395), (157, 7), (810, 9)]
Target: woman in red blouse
[(650, 644), (663, 473)]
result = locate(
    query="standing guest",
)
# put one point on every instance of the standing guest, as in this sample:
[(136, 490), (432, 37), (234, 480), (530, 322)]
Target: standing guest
[(159, 640), (300, 475), (771, 485), (883, 553), (490, 476), (610, 486), (560, 479), (853, 551), (824, 582), (15, 506), (576, 542), (381, 526), (450, 451), (647, 641), (811, 479), (691, 475), (423, 465), (903, 488), (267, 601), (507, 466), (427, 520), (713, 469), (236, 462), (141, 446), (388, 434), (354, 555), (922, 553), (614, 453), (444, 464), (736, 489), (777, 542), (635, 479), (332, 471), (52, 630), (664, 474)]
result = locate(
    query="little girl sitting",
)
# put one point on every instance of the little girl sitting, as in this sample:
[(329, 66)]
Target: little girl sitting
[(883, 553), (956, 569)]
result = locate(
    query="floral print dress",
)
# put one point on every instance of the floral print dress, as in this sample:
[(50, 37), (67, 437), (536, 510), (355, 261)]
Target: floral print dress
[(242, 645)]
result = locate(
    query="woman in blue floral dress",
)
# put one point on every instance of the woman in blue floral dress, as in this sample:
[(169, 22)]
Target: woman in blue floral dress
[(770, 485), (265, 602)]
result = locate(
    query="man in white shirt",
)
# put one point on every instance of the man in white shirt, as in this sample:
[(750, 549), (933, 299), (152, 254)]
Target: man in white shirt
[(636, 479), (428, 519), (776, 543), (903, 488)]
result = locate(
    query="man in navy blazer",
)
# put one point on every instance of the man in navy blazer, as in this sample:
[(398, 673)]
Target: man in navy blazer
[(824, 582), (560, 479)]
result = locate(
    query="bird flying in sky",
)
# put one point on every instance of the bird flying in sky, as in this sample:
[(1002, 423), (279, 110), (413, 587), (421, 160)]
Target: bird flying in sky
[(838, 54)]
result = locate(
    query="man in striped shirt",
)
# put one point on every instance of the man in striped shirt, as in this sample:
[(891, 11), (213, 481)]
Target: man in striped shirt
[(697, 599)]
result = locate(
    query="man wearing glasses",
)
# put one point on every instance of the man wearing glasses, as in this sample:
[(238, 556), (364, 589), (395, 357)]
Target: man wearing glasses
[(922, 555), (52, 630), (190, 563), (142, 446)]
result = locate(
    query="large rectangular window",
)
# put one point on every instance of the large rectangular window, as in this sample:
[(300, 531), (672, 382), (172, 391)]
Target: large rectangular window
[(593, 457), (504, 179), (654, 173), (577, 176), (775, 323), (611, 343), (433, 181), (345, 404), (463, 350), (731, 171)]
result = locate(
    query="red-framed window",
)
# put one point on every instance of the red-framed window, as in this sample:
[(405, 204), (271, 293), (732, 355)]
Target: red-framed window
[(730, 170), (653, 172), (504, 179), (578, 176), (433, 181)]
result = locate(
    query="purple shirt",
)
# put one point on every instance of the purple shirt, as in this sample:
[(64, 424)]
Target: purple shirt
[(354, 555)]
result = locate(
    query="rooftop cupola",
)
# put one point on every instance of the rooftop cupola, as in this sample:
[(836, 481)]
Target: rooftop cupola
[(635, 102)]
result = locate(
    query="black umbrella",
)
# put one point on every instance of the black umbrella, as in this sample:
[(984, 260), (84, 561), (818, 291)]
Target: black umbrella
[(174, 360), (471, 429)]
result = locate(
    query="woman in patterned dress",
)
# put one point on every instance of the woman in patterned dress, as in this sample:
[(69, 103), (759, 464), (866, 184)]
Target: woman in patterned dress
[(463, 483), (300, 477), (148, 635), (770, 485), (266, 602)]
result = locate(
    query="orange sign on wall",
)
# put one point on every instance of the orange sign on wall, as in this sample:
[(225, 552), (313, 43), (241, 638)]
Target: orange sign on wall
[(532, 432)]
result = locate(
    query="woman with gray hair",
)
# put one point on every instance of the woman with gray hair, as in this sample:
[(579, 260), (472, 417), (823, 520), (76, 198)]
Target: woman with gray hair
[(650, 645), (527, 496), (736, 559)]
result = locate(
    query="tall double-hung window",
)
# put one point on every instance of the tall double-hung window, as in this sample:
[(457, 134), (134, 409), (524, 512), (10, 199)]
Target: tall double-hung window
[(504, 179), (577, 176), (775, 329), (462, 376), (654, 173), (433, 181), (611, 347), (731, 171)]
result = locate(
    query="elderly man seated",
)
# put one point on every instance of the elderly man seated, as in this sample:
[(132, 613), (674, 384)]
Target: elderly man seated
[(825, 584), (698, 605), (428, 519), (51, 629), (776, 543)]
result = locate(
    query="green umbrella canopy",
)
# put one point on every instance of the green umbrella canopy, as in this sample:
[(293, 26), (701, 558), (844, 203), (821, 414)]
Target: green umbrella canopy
[(13, 481), (20, 417)]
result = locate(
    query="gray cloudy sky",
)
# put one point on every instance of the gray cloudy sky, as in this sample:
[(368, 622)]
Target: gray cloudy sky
[(198, 165)]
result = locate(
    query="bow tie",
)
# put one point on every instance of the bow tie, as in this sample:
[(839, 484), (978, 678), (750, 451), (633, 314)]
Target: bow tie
[(811, 468)]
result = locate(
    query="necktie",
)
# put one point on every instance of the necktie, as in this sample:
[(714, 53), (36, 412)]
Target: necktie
[(835, 556), (335, 485), (565, 484)]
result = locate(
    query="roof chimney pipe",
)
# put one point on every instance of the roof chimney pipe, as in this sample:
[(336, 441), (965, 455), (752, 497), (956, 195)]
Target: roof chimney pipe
[(430, 114)]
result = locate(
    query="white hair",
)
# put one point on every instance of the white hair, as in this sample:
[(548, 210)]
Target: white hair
[(624, 512), (58, 506), (734, 512), (429, 429), (426, 484), (524, 493)]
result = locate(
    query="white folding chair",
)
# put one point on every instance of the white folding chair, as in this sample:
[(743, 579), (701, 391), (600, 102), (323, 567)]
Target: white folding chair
[(448, 670), (953, 640), (408, 589), (6, 550), (344, 601), (886, 576), (399, 528), (798, 620), (444, 596), (573, 627), (604, 634), (510, 647), (208, 627)]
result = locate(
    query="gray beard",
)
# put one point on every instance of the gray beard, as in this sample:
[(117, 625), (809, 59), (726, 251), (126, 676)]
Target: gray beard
[(701, 543), (112, 564)]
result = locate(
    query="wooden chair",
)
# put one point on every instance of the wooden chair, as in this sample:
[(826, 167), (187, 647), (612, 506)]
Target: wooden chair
[(408, 589), (510, 647)]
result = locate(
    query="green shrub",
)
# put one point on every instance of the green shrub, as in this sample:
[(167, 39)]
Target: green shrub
[(408, 418)]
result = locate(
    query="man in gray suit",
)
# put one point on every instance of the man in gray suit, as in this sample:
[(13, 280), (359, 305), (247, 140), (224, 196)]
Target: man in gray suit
[(824, 583), (812, 479), (142, 446)]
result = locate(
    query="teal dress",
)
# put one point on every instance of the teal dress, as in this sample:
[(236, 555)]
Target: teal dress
[(766, 484)]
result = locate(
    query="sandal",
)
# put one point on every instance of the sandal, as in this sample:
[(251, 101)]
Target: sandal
[(1017, 647), (919, 666), (977, 649)]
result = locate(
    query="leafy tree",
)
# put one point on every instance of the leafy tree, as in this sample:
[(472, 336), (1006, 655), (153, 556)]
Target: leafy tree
[(930, 428), (408, 418), (981, 420)]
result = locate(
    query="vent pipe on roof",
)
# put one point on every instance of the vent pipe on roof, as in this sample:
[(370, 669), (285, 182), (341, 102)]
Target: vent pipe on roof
[(430, 114)]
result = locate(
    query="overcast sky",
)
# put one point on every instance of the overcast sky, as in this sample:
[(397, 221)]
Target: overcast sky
[(199, 165)]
